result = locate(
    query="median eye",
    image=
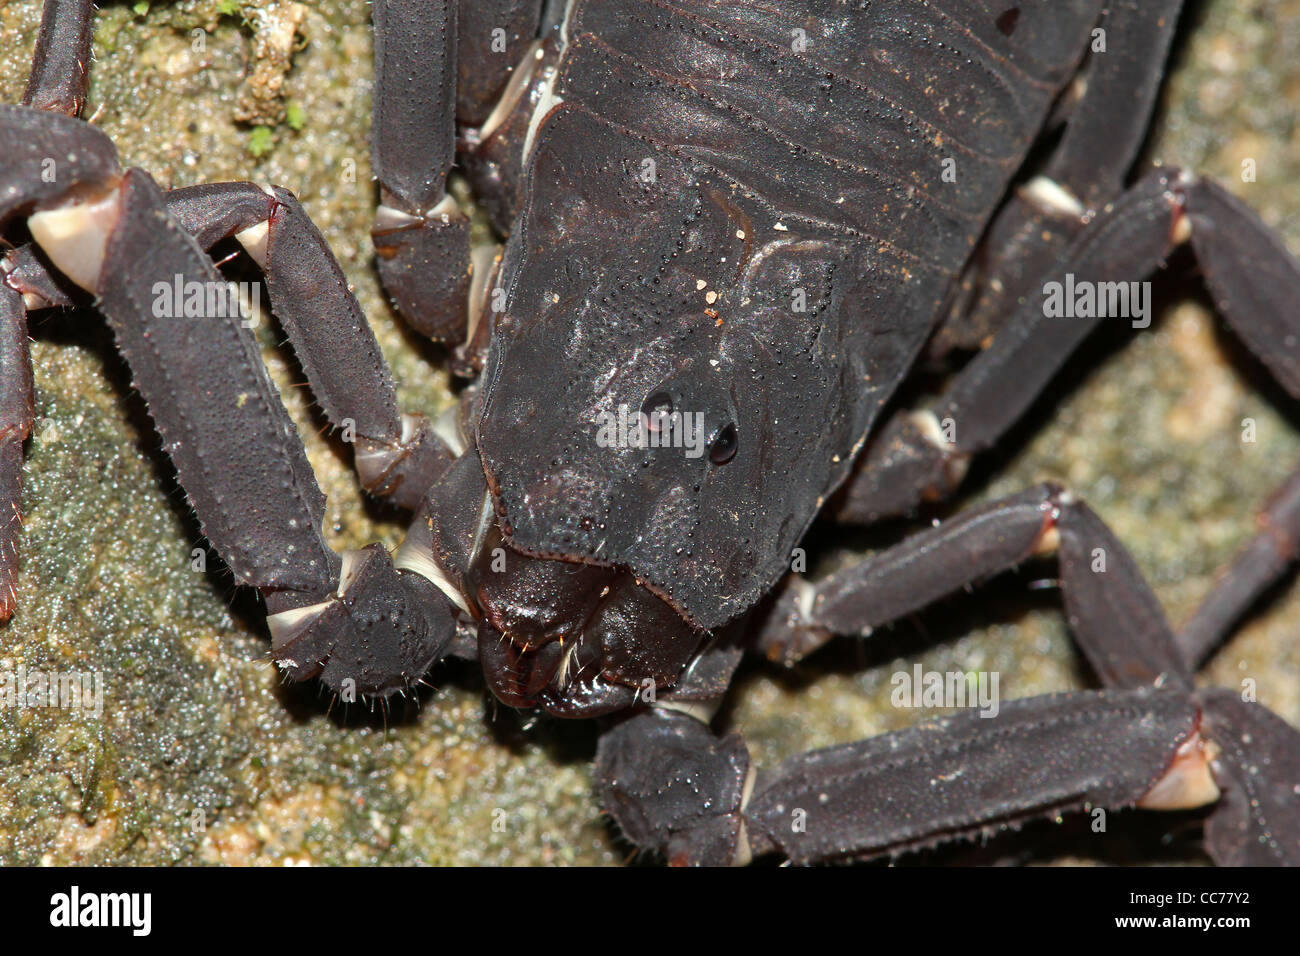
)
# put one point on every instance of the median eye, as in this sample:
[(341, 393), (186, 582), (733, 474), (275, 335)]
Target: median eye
[(724, 445), (657, 409)]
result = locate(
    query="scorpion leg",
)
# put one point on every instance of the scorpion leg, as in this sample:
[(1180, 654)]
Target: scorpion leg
[(1254, 755), (29, 275), (482, 63), (1113, 613), (494, 36), (493, 159), (61, 65), (923, 456), (17, 412), (1259, 564), (420, 234), (397, 456), (361, 624), (674, 787), (57, 84), (966, 774), (1085, 171), (1256, 823), (504, 73), (1253, 279), (1137, 743), (485, 65), (1141, 742)]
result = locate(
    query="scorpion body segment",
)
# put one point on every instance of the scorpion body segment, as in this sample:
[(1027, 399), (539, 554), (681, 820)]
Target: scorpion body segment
[(743, 194)]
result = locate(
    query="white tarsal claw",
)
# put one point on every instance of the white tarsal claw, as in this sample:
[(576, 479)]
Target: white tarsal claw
[(1188, 783), (389, 219), (928, 425), (483, 261), (447, 428), (446, 209), (1051, 195), (286, 625), (415, 554), (254, 240), (519, 80), (744, 856), (75, 235)]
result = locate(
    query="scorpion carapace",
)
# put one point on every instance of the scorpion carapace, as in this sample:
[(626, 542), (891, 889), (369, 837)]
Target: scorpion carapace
[(772, 312)]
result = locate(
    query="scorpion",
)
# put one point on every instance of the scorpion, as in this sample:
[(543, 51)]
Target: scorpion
[(735, 228)]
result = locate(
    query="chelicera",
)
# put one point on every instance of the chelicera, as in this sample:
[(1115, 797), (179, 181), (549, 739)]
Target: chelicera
[(748, 157)]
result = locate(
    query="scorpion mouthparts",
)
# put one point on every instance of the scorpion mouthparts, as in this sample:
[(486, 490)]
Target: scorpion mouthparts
[(515, 675), (1187, 783)]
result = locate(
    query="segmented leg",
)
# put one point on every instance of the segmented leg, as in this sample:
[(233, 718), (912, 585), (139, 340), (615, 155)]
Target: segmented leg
[(493, 36), (61, 65), (397, 456), (1251, 274), (1257, 823), (1086, 170), (27, 273), (1117, 619), (1142, 742), (421, 235), (962, 775), (57, 84), (113, 241), (437, 61), (17, 412), (674, 787), (355, 620), (924, 456), (1261, 563), (504, 68), (506, 60), (1253, 279)]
